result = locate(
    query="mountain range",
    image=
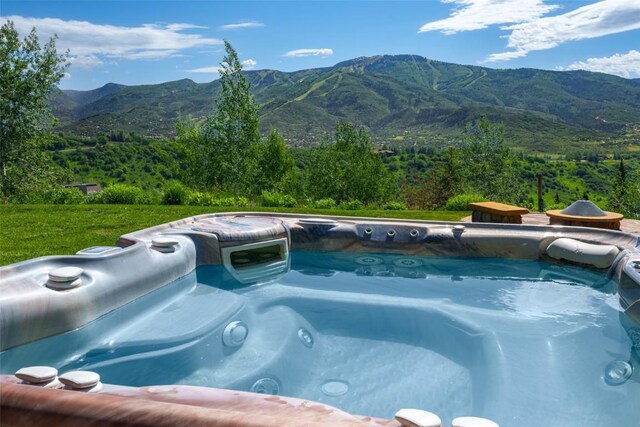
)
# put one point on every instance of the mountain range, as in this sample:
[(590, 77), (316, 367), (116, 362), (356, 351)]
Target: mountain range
[(399, 98)]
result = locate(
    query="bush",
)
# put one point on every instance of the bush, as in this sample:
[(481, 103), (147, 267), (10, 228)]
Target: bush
[(351, 205), (123, 194), (65, 196), (395, 206), (53, 194), (324, 204), (175, 194), (56, 195), (555, 206), (461, 202), (278, 200), (239, 202), (95, 198), (197, 198), (289, 201)]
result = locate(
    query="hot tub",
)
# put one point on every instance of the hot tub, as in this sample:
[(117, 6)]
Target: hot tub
[(524, 325)]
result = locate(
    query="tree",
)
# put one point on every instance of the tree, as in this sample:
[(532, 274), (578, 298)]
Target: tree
[(231, 135), (28, 73), (620, 182), (276, 167), (349, 169), (625, 192), (489, 165), (444, 178), (191, 145)]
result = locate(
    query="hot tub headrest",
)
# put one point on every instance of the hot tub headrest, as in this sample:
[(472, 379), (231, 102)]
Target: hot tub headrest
[(241, 228), (600, 256)]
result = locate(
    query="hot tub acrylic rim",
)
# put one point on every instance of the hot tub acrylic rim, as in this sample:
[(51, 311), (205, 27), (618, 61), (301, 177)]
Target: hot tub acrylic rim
[(138, 242), (132, 241)]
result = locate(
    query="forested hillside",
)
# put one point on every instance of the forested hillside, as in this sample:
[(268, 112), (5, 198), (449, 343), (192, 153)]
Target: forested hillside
[(403, 99)]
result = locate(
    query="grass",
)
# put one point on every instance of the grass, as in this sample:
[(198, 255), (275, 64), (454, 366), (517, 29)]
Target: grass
[(29, 231)]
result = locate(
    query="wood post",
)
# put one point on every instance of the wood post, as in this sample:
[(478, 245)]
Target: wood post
[(540, 199)]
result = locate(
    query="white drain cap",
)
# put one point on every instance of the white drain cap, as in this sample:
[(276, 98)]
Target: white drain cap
[(417, 418), (65, 274), (80, 379), (37, 374), (472, 422)]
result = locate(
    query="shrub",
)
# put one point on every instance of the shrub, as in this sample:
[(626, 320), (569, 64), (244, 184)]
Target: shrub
[(56, 195), (461, 202), (175, 194), (95, 198), (123, 194), (278, 200), (324, 204), (65, 196), (395, 206), (289, 201), (239, 202), (351, 205), (555, 206), (197, 198)]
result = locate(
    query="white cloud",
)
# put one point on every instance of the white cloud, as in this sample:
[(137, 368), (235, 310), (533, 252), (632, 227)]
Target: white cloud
[(530, 29), (86, 62), (308, 52), (214, 69), (479, 14), (155, 54), (241, 25), (623, 65), (248, 64), (595, 20), (182, 26), (90, 44)]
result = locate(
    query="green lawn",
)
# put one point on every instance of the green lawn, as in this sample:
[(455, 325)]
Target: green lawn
[(28, 231)]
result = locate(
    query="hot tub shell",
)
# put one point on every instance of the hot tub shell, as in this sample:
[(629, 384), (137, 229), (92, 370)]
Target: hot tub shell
[(111, 278)]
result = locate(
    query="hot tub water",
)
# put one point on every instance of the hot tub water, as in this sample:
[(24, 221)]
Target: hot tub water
[(525, 343)]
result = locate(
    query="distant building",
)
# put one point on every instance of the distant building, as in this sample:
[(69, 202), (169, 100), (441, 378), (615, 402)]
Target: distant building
[(386, 153), (86, 188)]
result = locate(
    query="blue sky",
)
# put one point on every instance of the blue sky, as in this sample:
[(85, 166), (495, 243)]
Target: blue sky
[(145, 42)]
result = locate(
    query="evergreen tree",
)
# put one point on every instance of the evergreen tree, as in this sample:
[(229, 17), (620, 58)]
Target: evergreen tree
[(28, 73), (625, 193), (620, 182)]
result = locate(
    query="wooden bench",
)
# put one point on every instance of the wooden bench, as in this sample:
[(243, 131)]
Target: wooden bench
[(496, 212)]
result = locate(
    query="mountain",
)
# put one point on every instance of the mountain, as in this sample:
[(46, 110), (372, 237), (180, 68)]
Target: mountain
[(89, 96), (397, 98)]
